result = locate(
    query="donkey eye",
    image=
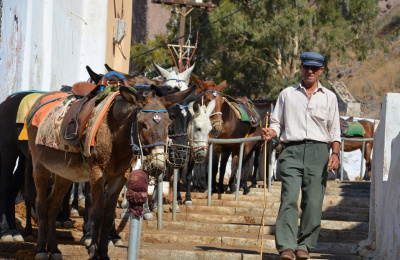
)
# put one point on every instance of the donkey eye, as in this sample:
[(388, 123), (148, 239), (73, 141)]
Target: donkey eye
[(208, 100), (198, 129), (143, 126)]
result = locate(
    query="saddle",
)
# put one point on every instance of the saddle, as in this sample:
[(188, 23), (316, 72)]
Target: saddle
[(350, 128), (344, 125), (78, 114), (244, 104)]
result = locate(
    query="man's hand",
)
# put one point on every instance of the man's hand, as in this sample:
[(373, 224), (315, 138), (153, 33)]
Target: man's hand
[(268, 133), (333, 162)]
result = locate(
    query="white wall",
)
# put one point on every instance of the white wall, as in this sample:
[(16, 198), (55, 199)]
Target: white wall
[(384, 226), (47, 43)]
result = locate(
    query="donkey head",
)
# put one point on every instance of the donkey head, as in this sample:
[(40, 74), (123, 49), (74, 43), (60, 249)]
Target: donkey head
[(213, 92), (178, 149), (173, 78), (199, 129), (150, 125)]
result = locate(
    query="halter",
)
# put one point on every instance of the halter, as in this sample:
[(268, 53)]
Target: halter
[(192, 140), (179, 81), (175, 149), (139, 149), (215, 93)]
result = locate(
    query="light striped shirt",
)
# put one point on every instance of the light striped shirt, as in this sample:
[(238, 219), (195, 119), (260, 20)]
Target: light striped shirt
[(296, 118)]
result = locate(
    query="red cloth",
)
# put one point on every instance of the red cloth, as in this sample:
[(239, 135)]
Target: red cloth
[(137, 191)]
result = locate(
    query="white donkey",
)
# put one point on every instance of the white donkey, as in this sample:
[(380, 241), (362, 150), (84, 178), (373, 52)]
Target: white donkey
[(198, 131), (174, 78)]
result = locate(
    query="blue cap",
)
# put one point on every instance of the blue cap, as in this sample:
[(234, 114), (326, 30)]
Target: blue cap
[(312, 59)]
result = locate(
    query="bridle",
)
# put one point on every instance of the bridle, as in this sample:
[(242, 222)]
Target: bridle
[(174, 150), (215, 93), (192, 141), (179, 81), (138, 150)]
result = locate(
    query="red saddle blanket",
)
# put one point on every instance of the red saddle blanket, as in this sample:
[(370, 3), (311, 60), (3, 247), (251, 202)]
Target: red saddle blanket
[(49, 129)]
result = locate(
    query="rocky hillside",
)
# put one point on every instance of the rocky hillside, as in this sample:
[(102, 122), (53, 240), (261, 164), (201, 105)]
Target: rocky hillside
[(369, 80)]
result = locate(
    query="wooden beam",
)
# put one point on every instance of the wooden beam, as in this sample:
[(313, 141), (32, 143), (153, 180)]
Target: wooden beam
[(184, 3)]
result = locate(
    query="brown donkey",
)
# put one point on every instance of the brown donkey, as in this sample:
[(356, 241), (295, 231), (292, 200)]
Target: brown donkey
[(129, 126)]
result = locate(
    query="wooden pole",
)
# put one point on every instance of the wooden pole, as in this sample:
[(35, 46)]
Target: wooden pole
[(265, 188), (181, 33)]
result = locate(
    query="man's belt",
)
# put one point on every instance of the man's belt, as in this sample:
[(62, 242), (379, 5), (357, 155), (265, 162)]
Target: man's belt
[(304, 142)]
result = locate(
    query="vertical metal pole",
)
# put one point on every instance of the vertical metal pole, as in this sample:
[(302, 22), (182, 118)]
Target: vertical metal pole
[(210, 162), (181, 33), (269, 165), (239, 172), (134, 236), (174, 192), (160, 203), (341, 161), (362, 160)]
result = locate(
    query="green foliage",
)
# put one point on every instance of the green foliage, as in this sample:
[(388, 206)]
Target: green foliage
[(160, 56), (257, 50)]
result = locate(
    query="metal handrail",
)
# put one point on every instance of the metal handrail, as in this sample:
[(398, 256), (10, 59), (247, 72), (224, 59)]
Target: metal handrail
[(362, 153), (213, 141)]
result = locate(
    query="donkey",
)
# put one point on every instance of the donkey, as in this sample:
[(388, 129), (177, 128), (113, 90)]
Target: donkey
[(173, 78), (198, 130), (118, 143), (11, 149)]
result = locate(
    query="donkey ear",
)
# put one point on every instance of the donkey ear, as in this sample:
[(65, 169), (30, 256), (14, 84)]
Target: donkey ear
[(108, 67), (221, 86), (94, 76), (162, 91), (131, 96), (190, 108), (186, 73), (173, 99), (210, 107), (190, 99), (162, 71)]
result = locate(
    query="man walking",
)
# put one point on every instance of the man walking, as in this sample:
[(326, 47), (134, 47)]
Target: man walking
[(306, 118)]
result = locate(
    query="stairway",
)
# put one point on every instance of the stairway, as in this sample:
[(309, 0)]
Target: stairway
[(230, 229)]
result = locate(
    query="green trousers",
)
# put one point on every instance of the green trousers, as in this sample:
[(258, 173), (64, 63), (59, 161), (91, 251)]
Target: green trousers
[(303, 166)]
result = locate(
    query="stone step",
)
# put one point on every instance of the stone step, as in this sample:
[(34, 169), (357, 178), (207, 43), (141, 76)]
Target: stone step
[(188, 226), (245, 241), (330, 184), (329, 213), (336, 192), (253, 219), (147, 252), (328, 200), (344, 189)]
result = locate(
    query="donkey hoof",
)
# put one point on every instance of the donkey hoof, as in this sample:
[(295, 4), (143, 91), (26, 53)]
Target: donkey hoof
[(177, 209), (17, 237), (86, 241), (55, 256), (148, 216), (41, 256), (7, 237), (74, 213), (30, 238), (247, 191), (110, 244), (117, 242), (188, 203), (58, 224), (67, 224)]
